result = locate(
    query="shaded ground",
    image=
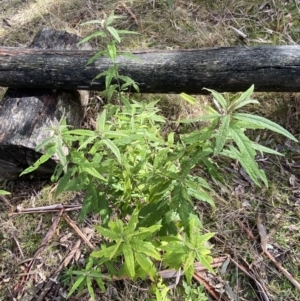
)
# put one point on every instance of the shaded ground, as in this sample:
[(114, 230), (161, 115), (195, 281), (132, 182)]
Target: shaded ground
[(170, 24)]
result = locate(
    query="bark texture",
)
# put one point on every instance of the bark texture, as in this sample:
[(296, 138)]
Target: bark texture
[(231, 69), (26, 115)]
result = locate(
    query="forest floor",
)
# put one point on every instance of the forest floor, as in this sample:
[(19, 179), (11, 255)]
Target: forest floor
[(169, 24)]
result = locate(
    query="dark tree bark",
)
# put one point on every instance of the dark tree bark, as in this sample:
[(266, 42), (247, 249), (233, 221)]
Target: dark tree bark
[(26, 115), (231, 69)]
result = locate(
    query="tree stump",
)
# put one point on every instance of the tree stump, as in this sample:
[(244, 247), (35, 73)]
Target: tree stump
[(26, 115)]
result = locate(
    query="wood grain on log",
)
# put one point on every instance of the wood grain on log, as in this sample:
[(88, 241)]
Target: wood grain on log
[(231, 69)]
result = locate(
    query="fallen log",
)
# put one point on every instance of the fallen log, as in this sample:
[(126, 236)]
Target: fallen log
[(231, 69)]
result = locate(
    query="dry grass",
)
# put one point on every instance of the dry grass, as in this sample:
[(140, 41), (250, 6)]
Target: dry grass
[(176, 24)]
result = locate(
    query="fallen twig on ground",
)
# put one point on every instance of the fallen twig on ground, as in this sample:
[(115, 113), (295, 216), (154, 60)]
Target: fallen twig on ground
[(283, 270), (77, 230), (261, 291), (208, 287), (46, 209)]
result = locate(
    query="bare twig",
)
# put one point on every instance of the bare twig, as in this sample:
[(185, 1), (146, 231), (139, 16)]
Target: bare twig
[(133, 16), (262, 291), (208, 287), (46, 209), (283, 270), (77, 230), (19, 247), (264, 238)]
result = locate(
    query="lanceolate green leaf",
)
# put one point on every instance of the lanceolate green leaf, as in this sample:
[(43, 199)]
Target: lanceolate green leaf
[(111, 18), (129, 259), (94, 57), (104, 209), (93, 35), (39, 162), (189, 267), (243, 142), (243, 100), (114, 33), (76, 285), (264, 149), (100, 284), (250, 166), (109, 143), (268, 124), (81, 132), (242, 104), (106, 252), (190, 99), (205, 261), (146, 264), (219, 98), (201, 196), (111, 47), (145, 232), (3, 192), (132, 222), (145, 247), (116, 249), (101, 121), (92, 22), (87, 142), (60, 152), (90, 288), (184, 211), (108, 233), (63, 182), (222, 134), (93, 172)]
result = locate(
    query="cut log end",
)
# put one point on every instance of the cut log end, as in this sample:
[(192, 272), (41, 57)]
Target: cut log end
[(15, 158), (27, 116)]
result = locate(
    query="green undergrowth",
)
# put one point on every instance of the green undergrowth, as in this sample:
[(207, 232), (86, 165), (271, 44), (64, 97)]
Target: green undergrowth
[(165, 25), (141, 180)]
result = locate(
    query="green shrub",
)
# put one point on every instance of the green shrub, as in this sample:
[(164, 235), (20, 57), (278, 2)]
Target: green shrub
[(141, 181)]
